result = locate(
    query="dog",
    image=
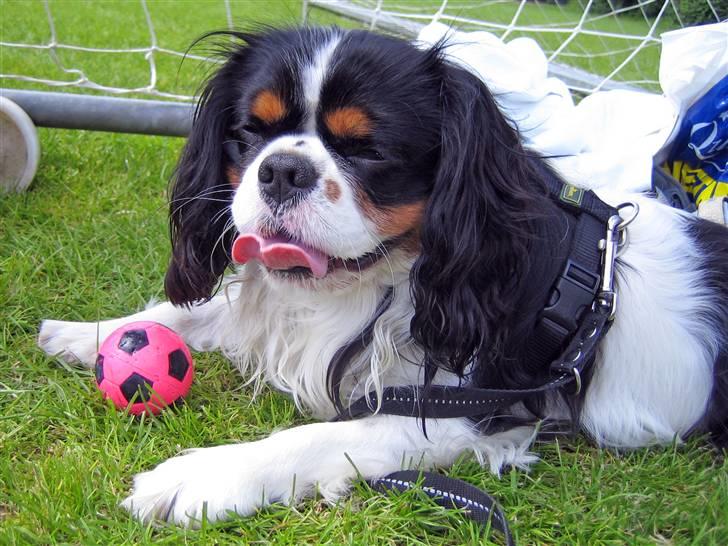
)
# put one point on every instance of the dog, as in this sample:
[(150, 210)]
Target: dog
[(336, 170)]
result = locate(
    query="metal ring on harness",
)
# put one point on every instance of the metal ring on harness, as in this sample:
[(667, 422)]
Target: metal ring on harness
[(625, 222), (623, 239)]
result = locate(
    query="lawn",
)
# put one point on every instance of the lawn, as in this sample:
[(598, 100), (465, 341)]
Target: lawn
[(89, 241)]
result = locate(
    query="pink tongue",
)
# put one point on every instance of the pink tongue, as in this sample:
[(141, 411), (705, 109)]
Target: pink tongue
[(279, 253)]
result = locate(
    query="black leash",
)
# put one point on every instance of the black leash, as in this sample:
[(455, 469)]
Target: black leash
[(449, 493), (450, 402)]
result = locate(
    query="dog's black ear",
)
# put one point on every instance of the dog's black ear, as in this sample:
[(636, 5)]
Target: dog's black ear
[(200, 197), (476, 232)]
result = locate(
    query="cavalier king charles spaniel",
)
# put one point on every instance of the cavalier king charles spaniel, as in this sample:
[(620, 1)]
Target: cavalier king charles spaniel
[(329, 171)]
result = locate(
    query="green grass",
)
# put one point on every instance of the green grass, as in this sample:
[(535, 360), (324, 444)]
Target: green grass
[(89, 241)]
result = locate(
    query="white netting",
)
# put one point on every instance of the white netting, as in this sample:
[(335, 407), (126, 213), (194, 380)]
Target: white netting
[(610, 43), (606, 41), (78, 78)]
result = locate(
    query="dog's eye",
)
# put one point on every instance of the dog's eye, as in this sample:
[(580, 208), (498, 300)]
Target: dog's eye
[(234, 149), (253, 127), (249, 134), (369, 154), (359, 150)]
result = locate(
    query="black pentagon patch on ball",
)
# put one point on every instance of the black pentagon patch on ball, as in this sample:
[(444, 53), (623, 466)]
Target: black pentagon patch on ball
[(99, 369), (133, 340), (136, 385), (178, 364)]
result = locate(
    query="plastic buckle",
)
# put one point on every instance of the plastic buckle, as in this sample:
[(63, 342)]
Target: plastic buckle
[(574, 291)]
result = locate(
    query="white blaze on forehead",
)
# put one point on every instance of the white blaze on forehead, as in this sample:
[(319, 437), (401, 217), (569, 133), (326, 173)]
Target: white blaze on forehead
[(313, 77)]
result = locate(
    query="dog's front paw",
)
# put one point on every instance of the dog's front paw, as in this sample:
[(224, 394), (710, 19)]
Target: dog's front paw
[(219, 481), (71, 341), (211, 481)]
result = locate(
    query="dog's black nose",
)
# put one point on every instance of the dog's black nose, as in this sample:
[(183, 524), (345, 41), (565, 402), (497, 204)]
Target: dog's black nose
[(284, 176)]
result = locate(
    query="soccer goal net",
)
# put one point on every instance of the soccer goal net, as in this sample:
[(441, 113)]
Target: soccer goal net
[(136, 48), (590, 44)]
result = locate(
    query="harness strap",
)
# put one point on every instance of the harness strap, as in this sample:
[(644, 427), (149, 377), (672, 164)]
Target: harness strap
[(571, 294), (577, 200), (575, 289), (444, 401)]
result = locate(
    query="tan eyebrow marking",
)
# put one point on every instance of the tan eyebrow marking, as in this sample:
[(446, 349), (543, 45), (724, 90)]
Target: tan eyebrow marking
[(268, 107), (349, 121)]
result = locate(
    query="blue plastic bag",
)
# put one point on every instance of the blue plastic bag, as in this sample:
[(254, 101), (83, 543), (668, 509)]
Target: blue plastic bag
[(698, 157)]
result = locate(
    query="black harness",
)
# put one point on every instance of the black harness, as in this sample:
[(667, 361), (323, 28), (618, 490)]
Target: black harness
[(579, 312)]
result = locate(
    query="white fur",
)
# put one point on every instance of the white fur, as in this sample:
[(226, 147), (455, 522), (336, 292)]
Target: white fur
[(313, 78), (654, 371)]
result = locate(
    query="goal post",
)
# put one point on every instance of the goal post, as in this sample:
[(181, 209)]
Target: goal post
[(104, 113)]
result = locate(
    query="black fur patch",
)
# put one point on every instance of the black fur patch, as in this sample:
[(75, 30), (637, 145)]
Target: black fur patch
[(712, 239)]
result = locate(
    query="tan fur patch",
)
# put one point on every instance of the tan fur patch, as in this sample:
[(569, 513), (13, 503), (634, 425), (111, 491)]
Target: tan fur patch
[(233, 176), (392, 221), (348, 121), (332, 190), (268, 107)]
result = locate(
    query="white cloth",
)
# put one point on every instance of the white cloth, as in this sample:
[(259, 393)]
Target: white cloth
[(609, 138)]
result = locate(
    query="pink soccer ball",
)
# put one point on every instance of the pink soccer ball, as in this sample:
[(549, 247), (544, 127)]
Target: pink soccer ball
[(144, 366)]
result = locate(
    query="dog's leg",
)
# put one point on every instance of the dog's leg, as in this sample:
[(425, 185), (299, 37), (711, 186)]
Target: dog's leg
[(296, 463), (79, 341)]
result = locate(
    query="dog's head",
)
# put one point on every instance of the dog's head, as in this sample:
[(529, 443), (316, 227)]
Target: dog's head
[(332, 156)]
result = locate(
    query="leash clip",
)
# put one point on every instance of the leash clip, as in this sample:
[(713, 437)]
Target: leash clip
[(615, 240), (606, 299)]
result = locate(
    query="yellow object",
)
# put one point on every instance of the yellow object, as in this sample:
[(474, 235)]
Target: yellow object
[(696, 181)]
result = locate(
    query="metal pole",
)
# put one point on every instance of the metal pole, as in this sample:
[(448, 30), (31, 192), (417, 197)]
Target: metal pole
[(120, 115)]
